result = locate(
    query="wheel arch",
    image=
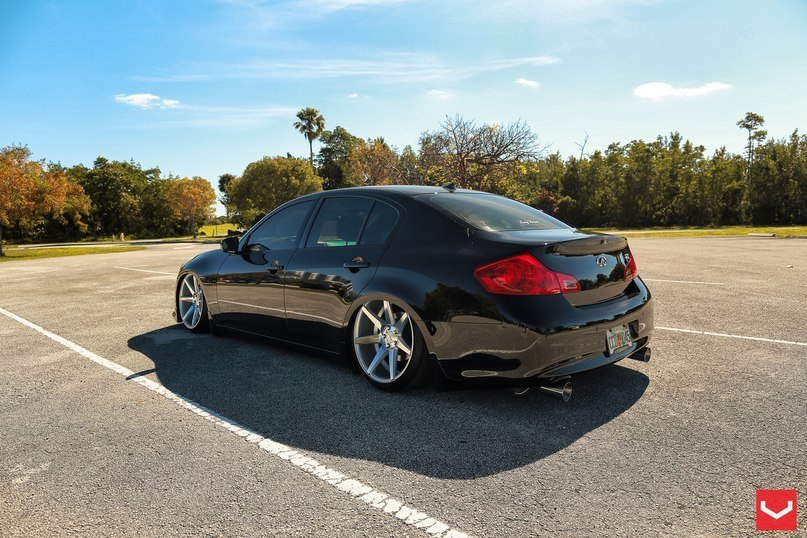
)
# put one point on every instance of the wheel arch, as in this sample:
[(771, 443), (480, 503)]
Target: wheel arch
[(183, 272), (422, 325), (206, 266)]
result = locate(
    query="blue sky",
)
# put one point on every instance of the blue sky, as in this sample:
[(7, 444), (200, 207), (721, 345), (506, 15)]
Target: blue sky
[(205, 87)]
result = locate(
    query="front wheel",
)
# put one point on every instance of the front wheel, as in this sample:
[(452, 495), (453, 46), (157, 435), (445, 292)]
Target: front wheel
[(388, 346), (192, 304)]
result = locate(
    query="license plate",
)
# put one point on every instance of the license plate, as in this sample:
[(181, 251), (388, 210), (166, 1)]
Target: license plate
[(618, 339)]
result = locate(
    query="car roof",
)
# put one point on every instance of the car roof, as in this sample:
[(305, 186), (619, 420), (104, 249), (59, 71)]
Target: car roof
[(392, 192), (406, 190)]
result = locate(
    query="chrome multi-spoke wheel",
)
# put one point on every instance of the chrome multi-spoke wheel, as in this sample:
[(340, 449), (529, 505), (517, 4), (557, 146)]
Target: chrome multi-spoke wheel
[(384, 343), (191, 302)]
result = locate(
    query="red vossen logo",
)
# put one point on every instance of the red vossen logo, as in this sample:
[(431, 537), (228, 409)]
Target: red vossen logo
[(776, 509)]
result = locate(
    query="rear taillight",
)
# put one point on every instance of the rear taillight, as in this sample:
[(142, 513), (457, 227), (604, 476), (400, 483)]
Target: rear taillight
[(524, 275), (630, 266)]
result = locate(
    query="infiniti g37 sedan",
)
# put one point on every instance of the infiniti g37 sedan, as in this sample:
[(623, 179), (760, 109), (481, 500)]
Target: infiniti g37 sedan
[(407, 278)]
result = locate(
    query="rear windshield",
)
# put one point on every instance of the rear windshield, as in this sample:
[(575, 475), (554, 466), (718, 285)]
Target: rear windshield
[(493, 213)]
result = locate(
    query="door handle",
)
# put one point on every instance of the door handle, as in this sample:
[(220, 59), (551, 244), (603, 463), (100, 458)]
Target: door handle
[(356, 263), (274, 266)]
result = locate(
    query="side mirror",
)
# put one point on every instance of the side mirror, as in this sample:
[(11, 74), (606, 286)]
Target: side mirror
[(229, 244)]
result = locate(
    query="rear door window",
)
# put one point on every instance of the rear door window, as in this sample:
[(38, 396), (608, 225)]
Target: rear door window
[(380, 224), (339, 222)]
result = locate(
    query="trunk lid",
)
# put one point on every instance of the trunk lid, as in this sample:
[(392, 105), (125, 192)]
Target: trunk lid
[(596, 260)]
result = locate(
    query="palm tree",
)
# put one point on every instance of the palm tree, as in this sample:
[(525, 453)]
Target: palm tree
[(311, 125)]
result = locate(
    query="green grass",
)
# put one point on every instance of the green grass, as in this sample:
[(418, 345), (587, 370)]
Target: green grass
[(215, 230), (15, 254), (778, 231)]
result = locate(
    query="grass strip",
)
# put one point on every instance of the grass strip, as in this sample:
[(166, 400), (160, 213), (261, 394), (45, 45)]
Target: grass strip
[(778, 231), (17, 254)]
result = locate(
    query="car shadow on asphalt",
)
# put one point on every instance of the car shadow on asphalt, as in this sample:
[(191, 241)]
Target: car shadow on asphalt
[(316, 403)]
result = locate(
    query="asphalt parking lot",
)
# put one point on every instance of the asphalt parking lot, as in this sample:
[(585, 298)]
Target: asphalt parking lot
[(674, 447)]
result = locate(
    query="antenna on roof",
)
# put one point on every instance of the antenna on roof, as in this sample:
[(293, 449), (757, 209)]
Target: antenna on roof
[(450, 187)]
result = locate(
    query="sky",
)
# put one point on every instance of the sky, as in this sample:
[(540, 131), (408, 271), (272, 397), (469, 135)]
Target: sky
[(204, 87)]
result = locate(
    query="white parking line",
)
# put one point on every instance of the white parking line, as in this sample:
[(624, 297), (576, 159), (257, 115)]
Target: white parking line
[(181, 248), (369, 495), (756, 338), (145, 271), (682, 281)]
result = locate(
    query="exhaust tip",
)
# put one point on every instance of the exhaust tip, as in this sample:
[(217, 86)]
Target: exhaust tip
[(642, 355), (561, 391)]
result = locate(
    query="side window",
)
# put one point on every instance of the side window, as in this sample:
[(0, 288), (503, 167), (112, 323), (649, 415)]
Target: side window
[(380, 224), (280, 231), (339, 222)]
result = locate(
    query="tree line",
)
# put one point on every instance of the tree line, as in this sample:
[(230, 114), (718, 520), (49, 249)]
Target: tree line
[(44, 201), (669, 181)]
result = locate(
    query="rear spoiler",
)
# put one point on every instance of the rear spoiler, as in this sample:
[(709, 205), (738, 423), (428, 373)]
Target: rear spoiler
[(590, 245)]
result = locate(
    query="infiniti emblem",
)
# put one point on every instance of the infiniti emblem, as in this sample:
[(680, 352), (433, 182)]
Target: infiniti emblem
[(601, 261)]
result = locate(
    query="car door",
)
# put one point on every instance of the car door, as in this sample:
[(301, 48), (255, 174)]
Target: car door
[(341, 254), (250, 284)]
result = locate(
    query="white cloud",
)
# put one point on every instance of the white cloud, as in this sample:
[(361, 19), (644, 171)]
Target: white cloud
[(146, 100), (529, 60), (534, 84), (272, 13), (657, 91), (390, 68), (440, 95), (328, 6), (550, 11), (222, 116), (264, 15)]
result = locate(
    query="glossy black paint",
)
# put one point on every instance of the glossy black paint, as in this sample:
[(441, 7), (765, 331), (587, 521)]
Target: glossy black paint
[(427, 266)]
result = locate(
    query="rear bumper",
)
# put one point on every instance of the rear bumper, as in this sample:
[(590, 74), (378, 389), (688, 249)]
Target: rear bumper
[(515, 351)]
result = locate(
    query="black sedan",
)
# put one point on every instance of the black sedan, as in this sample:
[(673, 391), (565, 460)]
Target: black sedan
[(406, 278)]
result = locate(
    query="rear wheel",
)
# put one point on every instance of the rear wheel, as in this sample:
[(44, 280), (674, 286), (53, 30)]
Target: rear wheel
[(192, 304), (387, 345)]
